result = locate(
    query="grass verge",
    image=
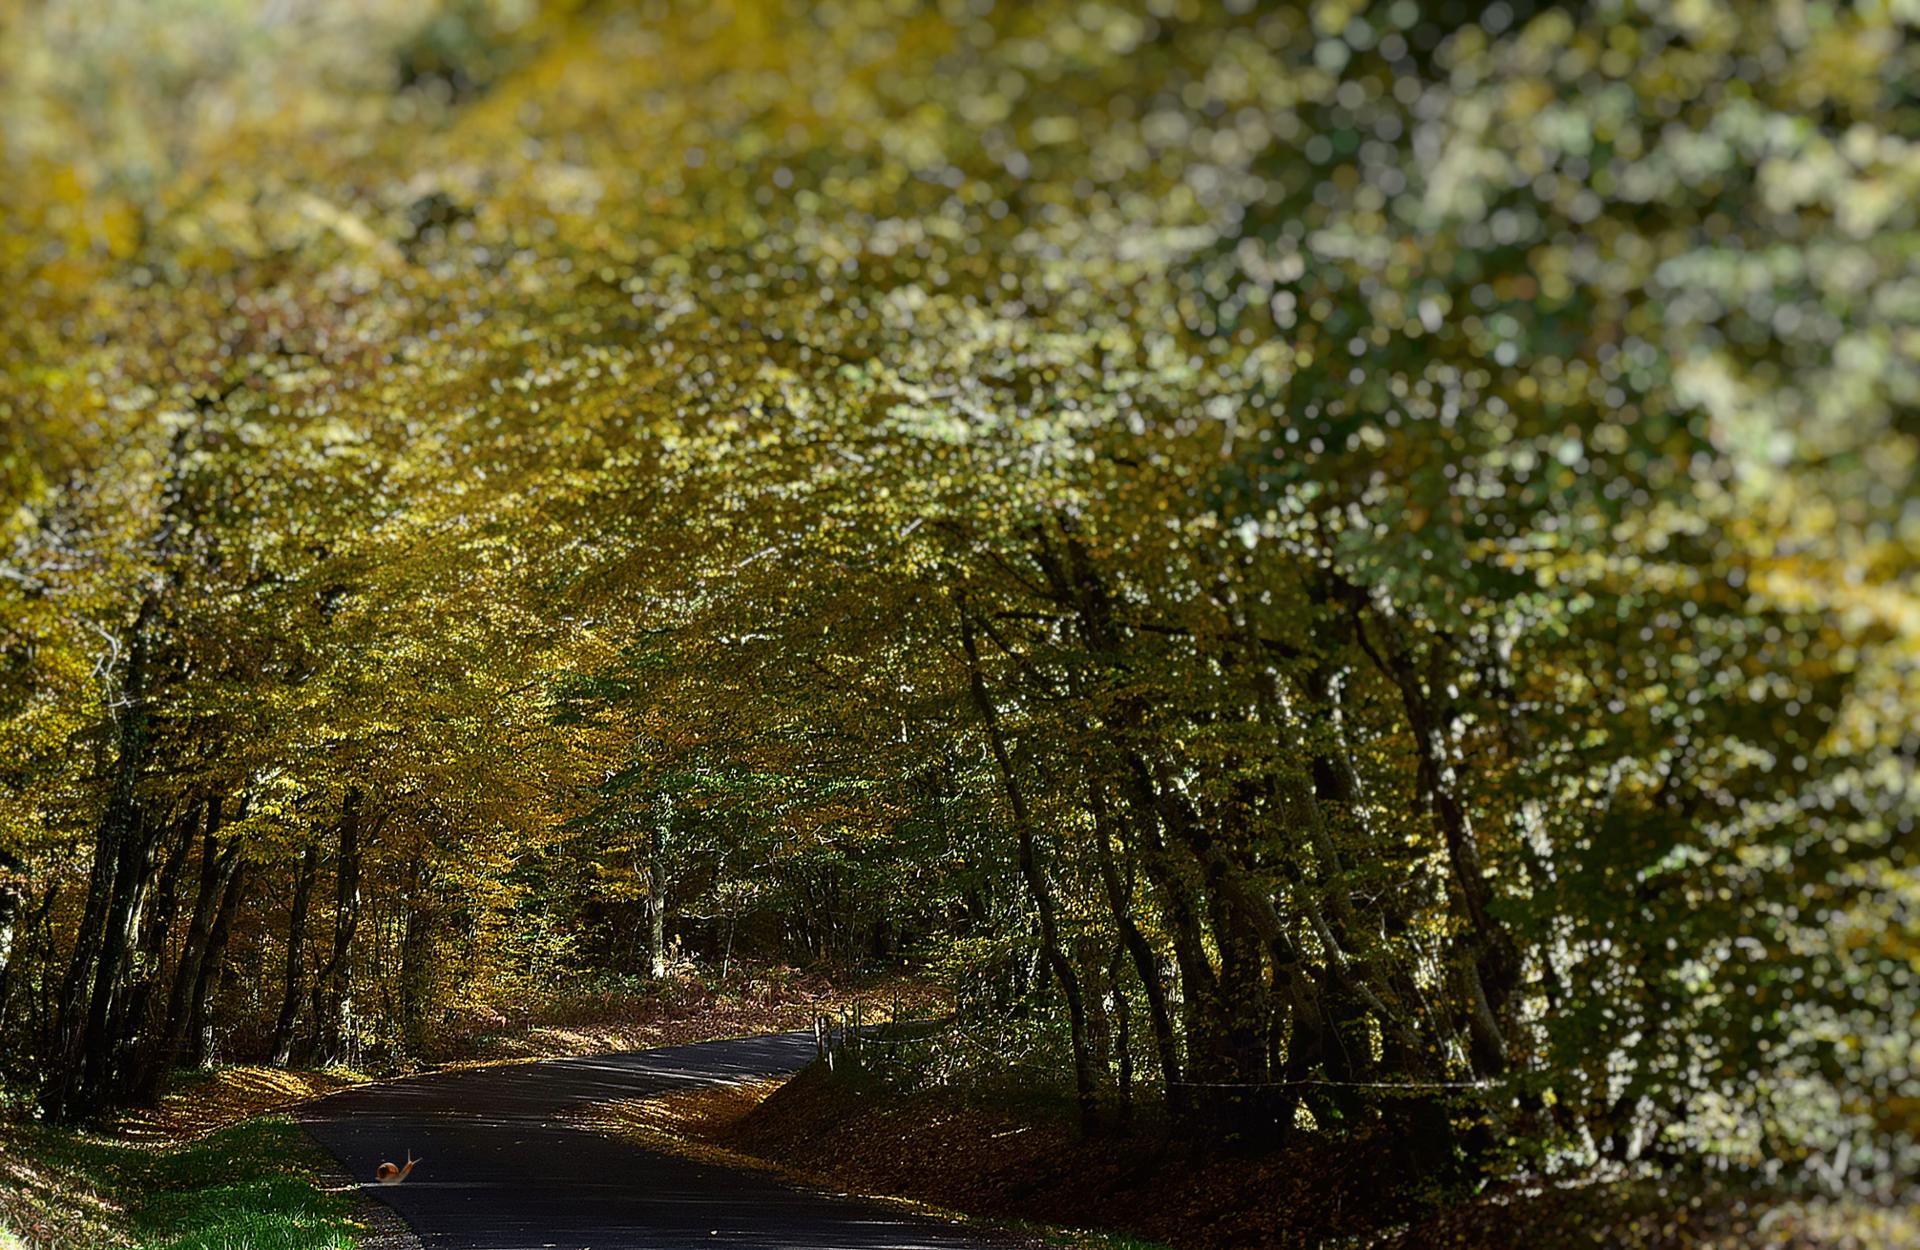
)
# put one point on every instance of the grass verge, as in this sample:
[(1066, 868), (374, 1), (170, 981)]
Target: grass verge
[(246, 1185)]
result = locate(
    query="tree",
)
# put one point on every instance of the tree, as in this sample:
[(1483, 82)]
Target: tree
[(1372, 540)]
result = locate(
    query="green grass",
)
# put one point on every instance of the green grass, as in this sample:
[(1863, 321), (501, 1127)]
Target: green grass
[(248, 1187), (1083, 1239)]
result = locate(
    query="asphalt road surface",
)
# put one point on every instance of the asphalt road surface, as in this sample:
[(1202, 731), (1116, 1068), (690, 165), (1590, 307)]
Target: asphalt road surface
[(502, 1170)]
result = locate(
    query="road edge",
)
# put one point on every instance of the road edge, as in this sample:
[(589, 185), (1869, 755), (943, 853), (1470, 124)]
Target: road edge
[(385, 1228)]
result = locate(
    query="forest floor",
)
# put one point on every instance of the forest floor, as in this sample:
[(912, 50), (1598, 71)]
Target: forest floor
[(707, 1123), (1024, 1164), (686, 1007)]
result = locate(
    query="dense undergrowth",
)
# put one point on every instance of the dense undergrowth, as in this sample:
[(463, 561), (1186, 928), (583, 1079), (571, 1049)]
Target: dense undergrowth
[(1014, 1157)]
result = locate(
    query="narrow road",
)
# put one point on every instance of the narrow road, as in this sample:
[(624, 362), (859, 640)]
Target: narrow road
[(502, 1170)]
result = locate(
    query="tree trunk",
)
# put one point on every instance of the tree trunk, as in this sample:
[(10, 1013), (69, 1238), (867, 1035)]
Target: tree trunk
[(1036, 881), (199, 1018), (164, 900), (296, 955), (217, 867), (416, 947), (1145, 964), (84, 1051), (61, 1093), (80, 1047), (1176, 887), (657, 891), (1241, 1055), (1122, 1032), (1491, 963), (1089, 960), (103, 1046), (23, 949), (1079, 588), (11, 898), (332, 988)]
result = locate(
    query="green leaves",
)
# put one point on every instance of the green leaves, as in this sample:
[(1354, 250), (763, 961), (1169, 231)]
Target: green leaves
[(1447, 474)]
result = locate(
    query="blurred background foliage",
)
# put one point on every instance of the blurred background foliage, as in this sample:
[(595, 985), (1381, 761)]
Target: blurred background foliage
[(1372, 545)]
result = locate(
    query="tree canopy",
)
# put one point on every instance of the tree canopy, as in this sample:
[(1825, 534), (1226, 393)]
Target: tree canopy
[(1365, 552)]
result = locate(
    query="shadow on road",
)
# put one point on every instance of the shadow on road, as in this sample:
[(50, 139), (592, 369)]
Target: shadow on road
[(502, 1170)]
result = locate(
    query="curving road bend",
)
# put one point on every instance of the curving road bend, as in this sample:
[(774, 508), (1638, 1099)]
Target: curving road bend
[(502, 1170)]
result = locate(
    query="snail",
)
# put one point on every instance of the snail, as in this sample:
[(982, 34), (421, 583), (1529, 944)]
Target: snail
[(391, 1174)]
